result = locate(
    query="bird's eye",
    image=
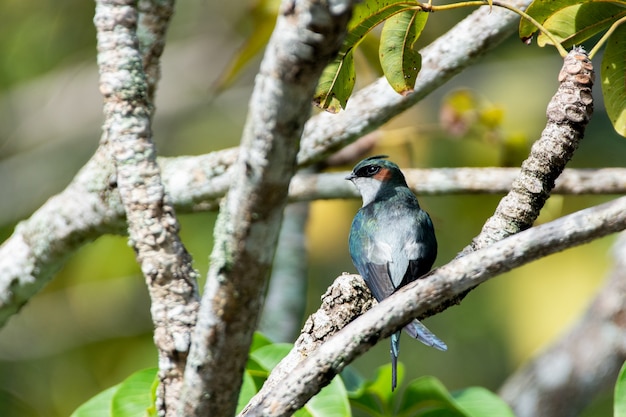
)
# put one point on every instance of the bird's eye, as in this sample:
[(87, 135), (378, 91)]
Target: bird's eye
[(368, 171)]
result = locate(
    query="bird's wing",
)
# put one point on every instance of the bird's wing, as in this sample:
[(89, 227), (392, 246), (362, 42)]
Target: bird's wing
[(377, 278)]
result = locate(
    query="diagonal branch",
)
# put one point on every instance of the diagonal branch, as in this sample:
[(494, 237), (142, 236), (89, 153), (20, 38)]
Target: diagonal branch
[(307, 35), (423, 296), (152, 224)]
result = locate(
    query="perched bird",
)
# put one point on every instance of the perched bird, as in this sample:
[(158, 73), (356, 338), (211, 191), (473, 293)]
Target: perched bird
[(392, 240)]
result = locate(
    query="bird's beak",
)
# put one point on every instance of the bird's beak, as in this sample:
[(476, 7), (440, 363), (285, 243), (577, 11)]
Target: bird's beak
[(350, 176)]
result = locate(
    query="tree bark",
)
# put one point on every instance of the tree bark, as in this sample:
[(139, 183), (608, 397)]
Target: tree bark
[(152, 224), (307, 35)]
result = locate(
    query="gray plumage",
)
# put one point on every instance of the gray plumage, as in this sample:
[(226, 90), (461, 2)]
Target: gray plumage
[(392, 240)]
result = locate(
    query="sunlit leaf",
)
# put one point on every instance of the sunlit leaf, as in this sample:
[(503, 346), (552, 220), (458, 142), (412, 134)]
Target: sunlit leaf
[(620, 393), (400, 62), (337, 80), (575, 24), (98, 406), (541, 10), (480, 402), (133, 398), (613, 73)]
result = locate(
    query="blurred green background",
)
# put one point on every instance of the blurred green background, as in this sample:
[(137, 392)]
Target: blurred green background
[(91, 327)]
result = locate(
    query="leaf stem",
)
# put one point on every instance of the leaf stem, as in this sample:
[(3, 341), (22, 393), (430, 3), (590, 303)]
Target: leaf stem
[(604, 37)]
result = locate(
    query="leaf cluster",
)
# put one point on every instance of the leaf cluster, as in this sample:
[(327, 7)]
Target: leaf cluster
[(423, 397)]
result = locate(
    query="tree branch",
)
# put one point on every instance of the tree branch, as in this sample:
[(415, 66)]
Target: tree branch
[(423, 296), (307, 35), (562, 380), (568, 113), (90, 207), (152, 224)]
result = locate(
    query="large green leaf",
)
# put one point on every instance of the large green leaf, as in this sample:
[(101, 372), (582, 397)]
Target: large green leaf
[(337, 80), (541, 10), (575, 24), (133, 398), (480, 402), (620, 394), (399, 61), (613, 74)]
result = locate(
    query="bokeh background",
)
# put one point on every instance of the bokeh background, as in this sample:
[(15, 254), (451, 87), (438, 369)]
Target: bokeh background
[(90, 327)]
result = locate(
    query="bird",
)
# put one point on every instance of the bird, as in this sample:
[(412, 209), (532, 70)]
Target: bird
[(392, 241)]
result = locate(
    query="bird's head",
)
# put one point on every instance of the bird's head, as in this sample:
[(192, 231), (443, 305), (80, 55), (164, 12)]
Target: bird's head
[(375, 174)]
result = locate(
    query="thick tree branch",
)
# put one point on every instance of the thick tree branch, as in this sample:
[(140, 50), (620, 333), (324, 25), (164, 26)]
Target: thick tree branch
[(565, 377), (307, 35), (424, 295), (152, 224)]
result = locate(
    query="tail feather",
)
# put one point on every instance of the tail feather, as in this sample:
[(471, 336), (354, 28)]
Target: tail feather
[(420, 332), (395, 351)]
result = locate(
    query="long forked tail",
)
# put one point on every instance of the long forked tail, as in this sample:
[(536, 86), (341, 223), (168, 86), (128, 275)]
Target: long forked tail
[(395, 350), (420, 332)]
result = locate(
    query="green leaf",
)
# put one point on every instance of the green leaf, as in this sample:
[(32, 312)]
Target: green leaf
[(336, 84), (259, 340), (480, 402), (613, 73), (541, 10), (575, 24), (133, 398), (427, 397), (248, 390), (399, 61), (620, 393), (338, 78), (269, 356), (331, 401), (375, 397), (98, 406), (263, 20)]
